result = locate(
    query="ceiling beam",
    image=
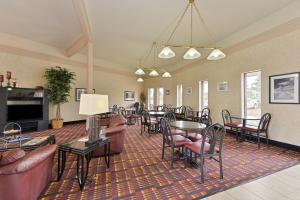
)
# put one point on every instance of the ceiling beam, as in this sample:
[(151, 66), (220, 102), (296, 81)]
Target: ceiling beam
[(81, 10), (77, 46)]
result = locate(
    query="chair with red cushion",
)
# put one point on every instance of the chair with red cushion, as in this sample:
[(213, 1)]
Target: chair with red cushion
[(170, 117), (261, 131), (151, 123), (210, 146), (170, 140), (233, 126), (197, 136)]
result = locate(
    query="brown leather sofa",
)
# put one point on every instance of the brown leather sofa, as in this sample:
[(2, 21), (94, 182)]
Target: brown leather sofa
[(27, 177), (116, 129)]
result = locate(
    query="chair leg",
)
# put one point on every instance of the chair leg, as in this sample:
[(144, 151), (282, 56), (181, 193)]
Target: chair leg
[(163, 150), (258, 140), (267, 138), (202, 167), (141, 129), (172, 156), (185, 157), (221, 166)]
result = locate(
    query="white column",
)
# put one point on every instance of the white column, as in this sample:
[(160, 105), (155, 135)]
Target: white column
[(90, 68)]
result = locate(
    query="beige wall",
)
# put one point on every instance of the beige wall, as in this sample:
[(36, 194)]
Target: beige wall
[(276, 56), (29, 73)]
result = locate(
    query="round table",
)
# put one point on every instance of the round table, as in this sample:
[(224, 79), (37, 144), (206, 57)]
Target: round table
[(188, 125), (157, 113)]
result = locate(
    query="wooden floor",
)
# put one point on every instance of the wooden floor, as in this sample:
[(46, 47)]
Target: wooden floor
[(283, 185)]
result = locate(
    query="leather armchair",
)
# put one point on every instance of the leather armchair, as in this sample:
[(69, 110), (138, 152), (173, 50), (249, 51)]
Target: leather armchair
[(27, 178), (116, 129)]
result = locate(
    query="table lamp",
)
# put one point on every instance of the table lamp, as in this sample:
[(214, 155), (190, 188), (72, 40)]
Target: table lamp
[(90, 105)]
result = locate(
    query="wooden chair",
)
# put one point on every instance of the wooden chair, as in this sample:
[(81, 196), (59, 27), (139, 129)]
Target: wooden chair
[(209, 147), (170, 117), (150, 123), (227, 122), (261, 131)]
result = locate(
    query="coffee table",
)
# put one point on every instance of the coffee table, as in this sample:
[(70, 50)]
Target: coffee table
[(84, 155), (28, 145)]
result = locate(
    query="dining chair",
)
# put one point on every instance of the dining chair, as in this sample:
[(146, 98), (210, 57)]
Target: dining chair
[(197, 136), (205, 112), (115, 109), (170, 117), (147, 122), (261, 131), (180, 115), (169, 140), (189, 114), (210, 147), (227, 122)]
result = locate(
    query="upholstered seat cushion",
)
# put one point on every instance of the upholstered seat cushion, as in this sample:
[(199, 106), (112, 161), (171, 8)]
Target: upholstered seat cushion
[(249, 128), (11, 156), (179, 140), (233, 125), (175, 131), (194, 137), (196, 147)]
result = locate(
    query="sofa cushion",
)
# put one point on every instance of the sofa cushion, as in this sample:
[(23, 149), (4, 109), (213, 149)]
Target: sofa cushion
[(116, 120), (11, 156)]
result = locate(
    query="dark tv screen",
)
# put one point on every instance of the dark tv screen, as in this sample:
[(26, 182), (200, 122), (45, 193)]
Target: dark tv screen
[(24, 112)]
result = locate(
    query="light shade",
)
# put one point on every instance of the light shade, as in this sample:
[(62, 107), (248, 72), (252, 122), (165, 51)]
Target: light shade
[(140, 80), (140, 72), (166, 53), (166, 75), (216, 54), (153, 73), (191, 54), (92, 104)]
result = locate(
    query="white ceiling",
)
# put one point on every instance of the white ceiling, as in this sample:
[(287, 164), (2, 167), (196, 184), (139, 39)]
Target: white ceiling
[(52, 22), (123, 31)]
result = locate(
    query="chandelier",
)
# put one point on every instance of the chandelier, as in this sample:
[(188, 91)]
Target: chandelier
[(192, 52), (151, 71)]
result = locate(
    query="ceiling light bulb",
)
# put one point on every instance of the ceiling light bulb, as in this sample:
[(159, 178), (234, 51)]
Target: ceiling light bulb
[(140, 80), (166, 75), (216, 54), (153, 73), (191, 54), (166, 53), (140, 72)]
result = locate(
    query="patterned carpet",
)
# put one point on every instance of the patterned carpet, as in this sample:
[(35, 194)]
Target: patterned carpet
[(139, 172)]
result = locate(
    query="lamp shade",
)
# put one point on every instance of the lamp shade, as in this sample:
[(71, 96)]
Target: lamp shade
[(140, 80), (166, 75), (153, 73), (191, 54), (166, 53), (139, 72), (216, 54), (92, 104)]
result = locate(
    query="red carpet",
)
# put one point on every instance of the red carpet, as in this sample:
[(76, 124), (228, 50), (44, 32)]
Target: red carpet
[(139, 172)]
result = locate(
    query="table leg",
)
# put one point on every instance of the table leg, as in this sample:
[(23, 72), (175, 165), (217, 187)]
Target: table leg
[(243, 131), (82, 169), (61, 164)]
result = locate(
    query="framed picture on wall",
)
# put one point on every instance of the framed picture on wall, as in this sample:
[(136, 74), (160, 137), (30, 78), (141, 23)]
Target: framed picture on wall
[(222, 86), (167, 92), (129, 96), (78, 92), (284, 88), (189, 90)]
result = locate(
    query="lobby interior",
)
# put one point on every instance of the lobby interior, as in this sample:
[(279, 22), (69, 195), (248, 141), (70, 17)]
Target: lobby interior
[(246, 63)]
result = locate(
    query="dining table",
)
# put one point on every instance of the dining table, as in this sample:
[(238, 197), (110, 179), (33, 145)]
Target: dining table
[(157, 113), (246, 120), (188, 126)]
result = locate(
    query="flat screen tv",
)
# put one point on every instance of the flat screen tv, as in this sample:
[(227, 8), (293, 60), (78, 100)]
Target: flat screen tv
[(24, 112)]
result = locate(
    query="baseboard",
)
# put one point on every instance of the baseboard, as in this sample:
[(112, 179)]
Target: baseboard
[(74, 122), (277, 143)]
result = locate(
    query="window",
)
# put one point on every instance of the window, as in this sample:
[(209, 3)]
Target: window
[(179, 95), (150, 98), (203, 94), (160, 96), (252, 94)]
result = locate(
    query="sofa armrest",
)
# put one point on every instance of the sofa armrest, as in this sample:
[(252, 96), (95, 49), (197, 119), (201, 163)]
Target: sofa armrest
[(114, 130), (30, 160)]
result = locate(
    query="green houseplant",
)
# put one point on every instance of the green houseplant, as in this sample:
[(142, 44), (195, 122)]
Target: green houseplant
[(143, 99), (59, 81)]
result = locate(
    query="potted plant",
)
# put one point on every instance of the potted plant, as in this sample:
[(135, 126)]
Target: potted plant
[(59, 81), (143, 99)]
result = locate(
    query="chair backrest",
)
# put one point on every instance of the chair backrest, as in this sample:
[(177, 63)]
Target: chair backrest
[(136, 106), (226, 116), (146, 117), (151, 107), (170, 116), (264, 122), (205, 119), (182, 109), (166, 131), (121, 111), (188, 111), (115, 109), (159, 108), (215, 134), (205, 111)]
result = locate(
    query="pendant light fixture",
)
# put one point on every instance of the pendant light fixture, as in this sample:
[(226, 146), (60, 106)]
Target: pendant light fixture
[(166, 75), (139, 72), (140, 80), (192, 52), (153, 73)]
